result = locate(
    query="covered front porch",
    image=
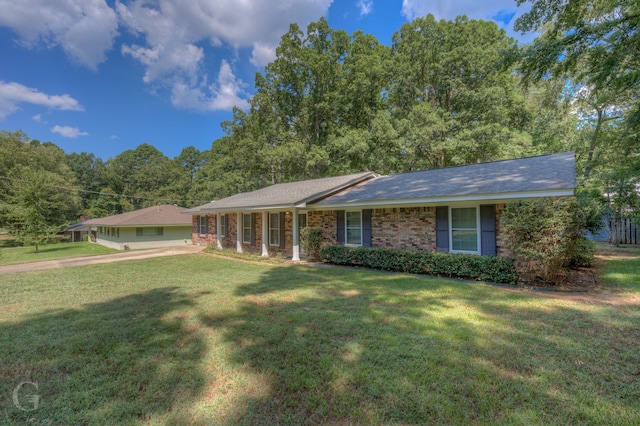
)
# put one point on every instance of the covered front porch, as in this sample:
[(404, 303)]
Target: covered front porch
[(266, 232)]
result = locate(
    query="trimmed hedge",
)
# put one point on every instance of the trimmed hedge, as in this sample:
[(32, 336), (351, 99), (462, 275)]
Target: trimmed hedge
[(465, 266)]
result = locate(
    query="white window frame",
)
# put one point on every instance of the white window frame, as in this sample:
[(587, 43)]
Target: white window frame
[(206, 225), (246, 236), (270, 228), (478, 232), (347, 227), (223, 225)]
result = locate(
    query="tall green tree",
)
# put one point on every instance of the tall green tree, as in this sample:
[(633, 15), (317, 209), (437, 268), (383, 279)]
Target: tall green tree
[(146, 177), (89, 171), (39, 205), (594, 40), (37, 188), (453, 93)]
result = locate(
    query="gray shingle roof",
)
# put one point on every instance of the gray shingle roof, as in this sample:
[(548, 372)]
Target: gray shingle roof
[(547, 173), (284, 194), (162, 215)]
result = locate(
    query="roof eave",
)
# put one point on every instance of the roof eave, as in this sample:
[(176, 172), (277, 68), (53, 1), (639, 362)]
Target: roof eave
[(298, 204), (492, 197)]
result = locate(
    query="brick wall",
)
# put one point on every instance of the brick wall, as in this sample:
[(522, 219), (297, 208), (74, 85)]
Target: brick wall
[(203, 240), (411, 228), (327, 220)]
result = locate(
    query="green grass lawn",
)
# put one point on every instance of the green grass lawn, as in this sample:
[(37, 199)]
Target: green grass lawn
[(200, 340), (15, 255)]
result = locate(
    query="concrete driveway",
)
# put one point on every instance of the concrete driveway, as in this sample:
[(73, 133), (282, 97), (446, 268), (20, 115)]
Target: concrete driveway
[(104, 258)]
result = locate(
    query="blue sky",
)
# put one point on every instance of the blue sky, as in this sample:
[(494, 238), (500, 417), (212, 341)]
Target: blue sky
[(104, 76)]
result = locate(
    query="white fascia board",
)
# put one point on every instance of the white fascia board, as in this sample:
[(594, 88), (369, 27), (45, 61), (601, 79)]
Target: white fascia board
[(409, 202), (248, 208)]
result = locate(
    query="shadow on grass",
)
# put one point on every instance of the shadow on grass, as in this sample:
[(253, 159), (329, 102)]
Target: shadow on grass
[(9, 243), (123, 361), (377, 349)]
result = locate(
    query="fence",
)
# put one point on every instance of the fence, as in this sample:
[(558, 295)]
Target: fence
[(623, 231)]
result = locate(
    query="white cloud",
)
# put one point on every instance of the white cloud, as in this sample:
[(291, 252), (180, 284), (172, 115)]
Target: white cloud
[(12, 94), (474, 9), (365, 6), (68, 132), (114, 137), (37, 118), (175, 33), (226, 93), (85, 29)]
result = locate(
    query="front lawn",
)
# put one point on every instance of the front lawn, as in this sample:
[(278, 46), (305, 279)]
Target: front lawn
[(15, 255), (202, 340)]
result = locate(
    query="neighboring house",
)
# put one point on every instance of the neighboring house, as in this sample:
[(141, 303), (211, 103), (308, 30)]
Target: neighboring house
[(157, 226), (454, 209), (76, 232)]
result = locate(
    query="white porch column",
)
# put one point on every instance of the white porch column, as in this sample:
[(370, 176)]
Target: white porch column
[(296, 237), (218, 241), (239, 232), (265, 234)]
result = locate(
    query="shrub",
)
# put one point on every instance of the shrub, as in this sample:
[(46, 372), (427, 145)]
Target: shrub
[(582, 253), (465, 266), (311, 239), (545, 235)]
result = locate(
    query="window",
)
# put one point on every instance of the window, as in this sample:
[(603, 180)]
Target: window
[(353, 228), (246, 228), (150, 232), (203, 225), (274, 229), (223, 225), (464, 229)]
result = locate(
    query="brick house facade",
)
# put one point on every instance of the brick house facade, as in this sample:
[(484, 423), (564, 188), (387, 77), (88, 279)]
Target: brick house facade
[(455, 209)]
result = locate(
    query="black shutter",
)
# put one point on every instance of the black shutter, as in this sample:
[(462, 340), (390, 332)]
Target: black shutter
[(442, 229), (206, 224), (340, 225), (226, 225), (253, 229), (488, 230), (366, 227), (282, 242)]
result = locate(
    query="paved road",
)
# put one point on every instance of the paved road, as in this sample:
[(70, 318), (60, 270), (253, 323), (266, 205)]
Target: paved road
[(105, 258)]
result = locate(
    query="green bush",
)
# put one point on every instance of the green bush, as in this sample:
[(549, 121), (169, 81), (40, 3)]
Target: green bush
[(582, 253), (465, 266), (311, 239), (546, 235)]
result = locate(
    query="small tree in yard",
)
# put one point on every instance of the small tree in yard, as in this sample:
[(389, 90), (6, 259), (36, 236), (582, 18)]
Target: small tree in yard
[(311, 239), (37, 206), (546, 235)]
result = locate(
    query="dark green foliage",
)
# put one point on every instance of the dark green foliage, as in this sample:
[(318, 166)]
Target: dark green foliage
[(546, 235), (582, 253), (465, 266), (311, 239)]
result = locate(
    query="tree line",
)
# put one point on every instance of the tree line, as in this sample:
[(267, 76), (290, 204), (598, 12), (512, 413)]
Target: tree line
[(444, 93)]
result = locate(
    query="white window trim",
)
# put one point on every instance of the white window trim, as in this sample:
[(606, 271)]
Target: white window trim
[(206, 219), (346, 228), (246, 236), (223, 225), (269, 229), (478, 232)]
